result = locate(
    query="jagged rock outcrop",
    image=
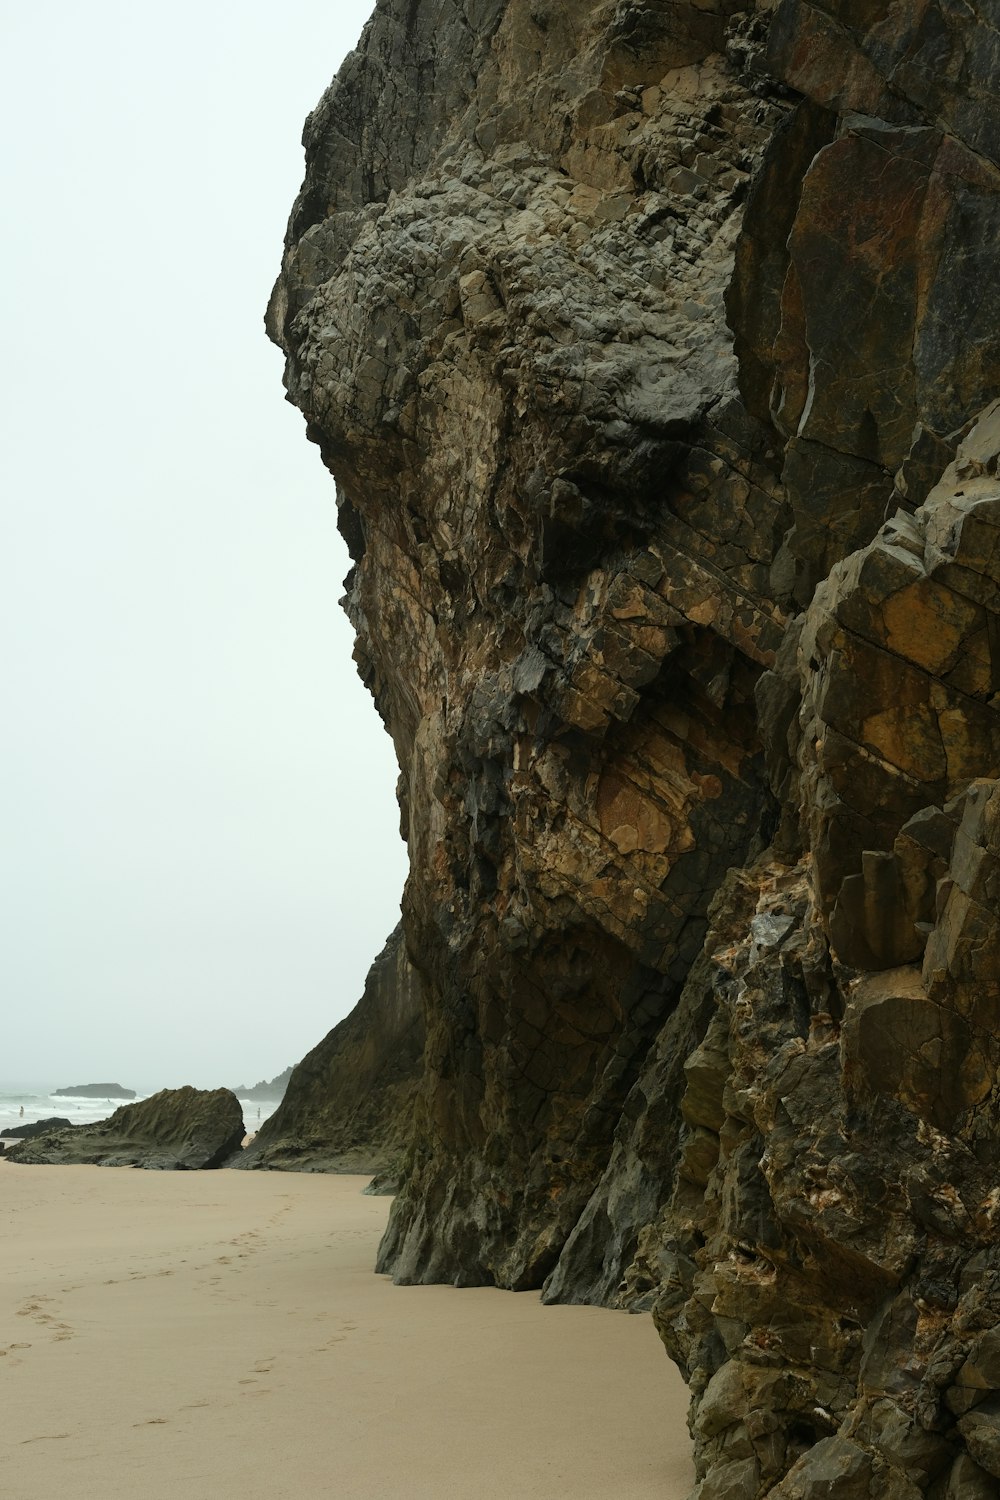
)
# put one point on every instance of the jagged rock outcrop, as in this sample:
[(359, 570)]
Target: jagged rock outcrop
[(182, 1129), (266, 1089), (349, 1104), (655, 350)]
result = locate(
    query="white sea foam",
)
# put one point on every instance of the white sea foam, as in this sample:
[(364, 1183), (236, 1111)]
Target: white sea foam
[(40, 1105)]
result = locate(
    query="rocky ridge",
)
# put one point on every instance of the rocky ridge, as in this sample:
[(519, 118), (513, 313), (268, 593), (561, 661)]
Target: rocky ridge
[(266, 1089), (655, 351)]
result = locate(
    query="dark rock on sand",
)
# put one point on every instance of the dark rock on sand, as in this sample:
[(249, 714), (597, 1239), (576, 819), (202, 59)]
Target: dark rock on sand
[(174, 1130), (37, 1127), (349, 1104)]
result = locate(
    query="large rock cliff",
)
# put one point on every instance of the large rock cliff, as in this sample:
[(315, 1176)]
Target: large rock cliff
[(653, 347)]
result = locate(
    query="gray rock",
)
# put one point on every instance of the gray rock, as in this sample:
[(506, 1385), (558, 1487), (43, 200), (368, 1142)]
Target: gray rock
[(981, 1431)]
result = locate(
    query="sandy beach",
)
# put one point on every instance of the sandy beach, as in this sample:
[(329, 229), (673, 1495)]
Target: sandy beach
[(221, 1334)]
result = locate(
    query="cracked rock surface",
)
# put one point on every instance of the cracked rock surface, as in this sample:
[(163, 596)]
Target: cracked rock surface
[(654, 348)]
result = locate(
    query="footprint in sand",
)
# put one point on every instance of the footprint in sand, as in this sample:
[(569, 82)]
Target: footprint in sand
[(36, 1309), (341, 1337)]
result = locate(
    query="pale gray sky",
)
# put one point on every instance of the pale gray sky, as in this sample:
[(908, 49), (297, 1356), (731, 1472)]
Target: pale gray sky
[(200, 853)]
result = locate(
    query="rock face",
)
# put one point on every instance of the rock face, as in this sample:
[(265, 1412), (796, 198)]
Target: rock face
[(349, 1104), (175, 1130), (655, 350)]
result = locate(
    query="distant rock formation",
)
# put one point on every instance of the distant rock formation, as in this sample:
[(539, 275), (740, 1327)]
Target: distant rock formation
[(349, 1103), (265, 1091), (174, 1130), (37, 1127), (655, 349), (96, 1091)]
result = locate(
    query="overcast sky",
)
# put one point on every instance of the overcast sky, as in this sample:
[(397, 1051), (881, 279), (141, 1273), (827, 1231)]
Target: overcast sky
[(200, 855)]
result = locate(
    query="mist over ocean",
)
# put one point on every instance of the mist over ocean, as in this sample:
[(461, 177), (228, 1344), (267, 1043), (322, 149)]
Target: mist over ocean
[(42, 1103)]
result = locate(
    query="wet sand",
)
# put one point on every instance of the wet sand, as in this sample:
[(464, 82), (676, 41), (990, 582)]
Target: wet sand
[(221, 1334)]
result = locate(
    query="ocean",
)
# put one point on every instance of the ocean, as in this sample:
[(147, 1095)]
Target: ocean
[(40, 1104)]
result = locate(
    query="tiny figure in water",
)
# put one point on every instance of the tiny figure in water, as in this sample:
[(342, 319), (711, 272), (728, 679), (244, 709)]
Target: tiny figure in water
[(22, 1113), (258, 1111)]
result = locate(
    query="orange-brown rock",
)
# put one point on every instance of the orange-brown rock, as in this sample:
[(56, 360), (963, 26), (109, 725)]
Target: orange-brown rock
[(655, 350)]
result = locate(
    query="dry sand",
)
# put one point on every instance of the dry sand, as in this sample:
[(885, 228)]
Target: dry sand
[(193, 1335)]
